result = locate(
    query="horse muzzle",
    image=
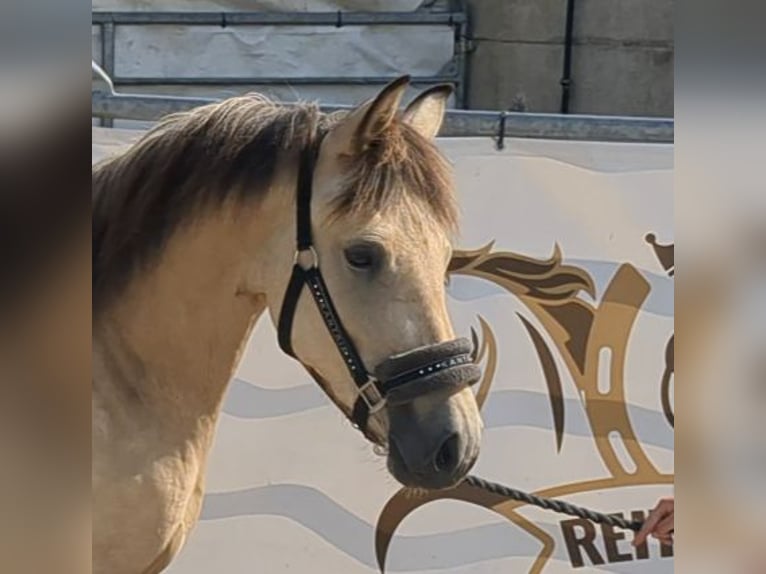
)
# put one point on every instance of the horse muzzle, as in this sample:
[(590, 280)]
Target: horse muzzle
[(433, 431)]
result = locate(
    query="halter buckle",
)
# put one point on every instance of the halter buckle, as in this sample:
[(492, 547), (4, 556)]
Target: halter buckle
[(374, 400), (299, 258)]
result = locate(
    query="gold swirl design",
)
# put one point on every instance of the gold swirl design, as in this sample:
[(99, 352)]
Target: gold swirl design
[(579, 330)]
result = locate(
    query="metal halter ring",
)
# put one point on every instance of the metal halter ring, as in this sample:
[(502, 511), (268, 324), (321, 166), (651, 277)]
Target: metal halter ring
[(314, 256), (375, 401)]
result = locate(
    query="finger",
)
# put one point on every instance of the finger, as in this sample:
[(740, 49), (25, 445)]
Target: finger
[(665, 526), (648, 526), (639, 538), (642, 534), (667, 502), (663, 508), (666, 539)]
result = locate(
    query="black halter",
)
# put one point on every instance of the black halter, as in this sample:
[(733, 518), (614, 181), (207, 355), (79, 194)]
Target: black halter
[(442, 367)]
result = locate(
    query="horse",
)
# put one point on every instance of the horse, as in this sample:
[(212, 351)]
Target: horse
[(338, 226)]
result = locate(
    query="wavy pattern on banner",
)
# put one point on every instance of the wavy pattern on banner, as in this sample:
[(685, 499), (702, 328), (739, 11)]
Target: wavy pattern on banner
[(247, 400), (353, 536), (506, 409)]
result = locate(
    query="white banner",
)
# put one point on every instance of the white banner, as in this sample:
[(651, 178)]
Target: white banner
[(565, 275)]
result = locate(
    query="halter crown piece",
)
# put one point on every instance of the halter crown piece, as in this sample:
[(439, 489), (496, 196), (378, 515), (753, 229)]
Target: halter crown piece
[(399, 379)]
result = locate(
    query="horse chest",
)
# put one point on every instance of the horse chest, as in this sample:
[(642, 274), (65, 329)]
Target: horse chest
[(147, 493)]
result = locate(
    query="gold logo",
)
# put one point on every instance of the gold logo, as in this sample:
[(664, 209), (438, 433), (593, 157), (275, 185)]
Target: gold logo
[(552, 292), (666, 256)]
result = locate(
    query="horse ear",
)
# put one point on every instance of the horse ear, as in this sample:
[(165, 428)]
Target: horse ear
[(426, 112), (366, 122)]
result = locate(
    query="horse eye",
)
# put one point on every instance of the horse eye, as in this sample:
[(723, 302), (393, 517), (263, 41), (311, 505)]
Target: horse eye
[(362, 257)]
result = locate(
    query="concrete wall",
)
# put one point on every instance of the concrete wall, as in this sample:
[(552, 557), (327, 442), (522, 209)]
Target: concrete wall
[(622, 60)]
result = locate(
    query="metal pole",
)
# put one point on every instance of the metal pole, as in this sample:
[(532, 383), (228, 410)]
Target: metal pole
[(275, 81), (461, 50), (457, 123), (566, 75), (107, 57), (338, 19)]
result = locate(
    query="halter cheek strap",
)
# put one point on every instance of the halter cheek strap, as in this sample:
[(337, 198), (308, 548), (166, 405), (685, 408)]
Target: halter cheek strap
[(306, 273)]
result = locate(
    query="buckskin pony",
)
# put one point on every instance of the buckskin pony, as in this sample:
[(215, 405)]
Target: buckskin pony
[(339, 227)]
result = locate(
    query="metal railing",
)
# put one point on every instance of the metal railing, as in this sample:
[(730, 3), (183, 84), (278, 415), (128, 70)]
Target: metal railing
[(337, 19), (110, 105)]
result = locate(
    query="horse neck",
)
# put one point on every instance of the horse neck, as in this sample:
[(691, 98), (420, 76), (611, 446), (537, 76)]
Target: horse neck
[(172, 341)]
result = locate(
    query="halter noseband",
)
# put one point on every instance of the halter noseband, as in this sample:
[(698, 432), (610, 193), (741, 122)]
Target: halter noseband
[(398, 379)]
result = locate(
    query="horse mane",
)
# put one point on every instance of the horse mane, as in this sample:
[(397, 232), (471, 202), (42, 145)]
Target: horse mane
[(232, 150)]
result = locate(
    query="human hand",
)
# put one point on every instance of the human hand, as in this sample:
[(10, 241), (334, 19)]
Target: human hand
[(659, 523)]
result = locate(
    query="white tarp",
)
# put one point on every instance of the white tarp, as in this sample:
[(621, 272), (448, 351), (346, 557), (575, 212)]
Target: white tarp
[(282, 52), (293, 488), (257, 5)]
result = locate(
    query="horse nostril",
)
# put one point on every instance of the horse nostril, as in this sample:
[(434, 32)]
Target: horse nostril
[(447, 456)]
